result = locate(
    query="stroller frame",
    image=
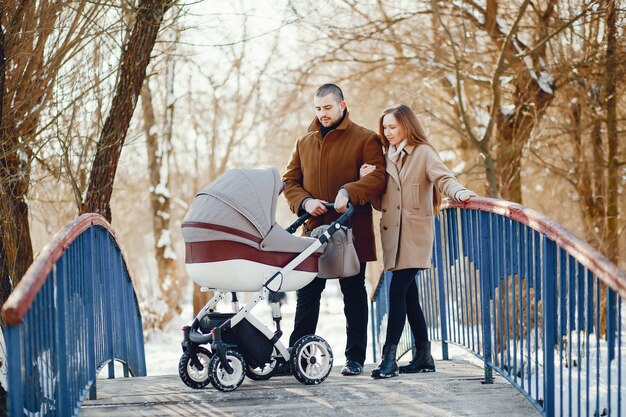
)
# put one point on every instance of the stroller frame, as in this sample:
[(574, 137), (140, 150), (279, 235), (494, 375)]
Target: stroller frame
[(224, 366)]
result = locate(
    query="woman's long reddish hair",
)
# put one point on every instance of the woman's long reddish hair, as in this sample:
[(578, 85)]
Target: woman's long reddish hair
[(414, 132)]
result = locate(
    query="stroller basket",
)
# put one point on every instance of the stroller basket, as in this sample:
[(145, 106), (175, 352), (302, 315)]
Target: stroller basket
[(253, 345)]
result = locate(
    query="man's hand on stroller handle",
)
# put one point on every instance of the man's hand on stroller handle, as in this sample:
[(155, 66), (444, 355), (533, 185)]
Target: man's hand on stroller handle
[(315, 207)]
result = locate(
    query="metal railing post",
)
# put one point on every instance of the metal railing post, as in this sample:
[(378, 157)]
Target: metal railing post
[(549, 277), (14, 364), (61, 394), (485, 291), (442, 289), (91, 343)]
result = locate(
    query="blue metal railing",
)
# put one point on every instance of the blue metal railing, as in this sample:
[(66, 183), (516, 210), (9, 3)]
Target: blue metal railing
[(534, 302), (74, 312)]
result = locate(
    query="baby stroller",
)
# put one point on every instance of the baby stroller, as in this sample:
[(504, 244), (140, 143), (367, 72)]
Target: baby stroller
[(232, 243)]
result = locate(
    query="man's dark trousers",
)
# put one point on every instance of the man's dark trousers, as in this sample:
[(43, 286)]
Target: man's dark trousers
[(355, 309)]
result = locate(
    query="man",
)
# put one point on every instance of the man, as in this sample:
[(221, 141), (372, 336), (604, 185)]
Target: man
[(323, 167)]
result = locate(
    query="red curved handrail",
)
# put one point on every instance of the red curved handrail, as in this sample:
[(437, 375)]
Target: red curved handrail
[(596, 262), (22, 297)]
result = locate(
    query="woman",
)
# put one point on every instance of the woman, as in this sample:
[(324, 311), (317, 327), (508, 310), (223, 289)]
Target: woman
[(416, 178)]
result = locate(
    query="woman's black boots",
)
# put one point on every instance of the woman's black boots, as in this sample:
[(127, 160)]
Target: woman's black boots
[(423, 361), (388, 366)]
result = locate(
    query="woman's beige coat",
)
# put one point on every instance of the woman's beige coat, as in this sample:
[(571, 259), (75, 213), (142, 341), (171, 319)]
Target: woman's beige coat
[(407, 224)]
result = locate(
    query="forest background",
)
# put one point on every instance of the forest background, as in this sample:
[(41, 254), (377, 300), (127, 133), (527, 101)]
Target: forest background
[(130, 108)]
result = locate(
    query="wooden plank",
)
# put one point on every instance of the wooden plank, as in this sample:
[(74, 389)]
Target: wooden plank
[(455, 389)]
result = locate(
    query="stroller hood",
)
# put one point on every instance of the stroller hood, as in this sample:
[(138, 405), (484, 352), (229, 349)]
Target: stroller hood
[(242, 199)]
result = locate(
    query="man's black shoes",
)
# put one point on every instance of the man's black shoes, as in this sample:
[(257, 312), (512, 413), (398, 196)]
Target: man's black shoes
[(352, 368)]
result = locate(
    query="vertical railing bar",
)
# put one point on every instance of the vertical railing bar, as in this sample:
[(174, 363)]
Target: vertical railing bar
[(529, 271), (58, 279), (108, 311), (35, 357), (580, 319), (588, 311), (610, 338), (441, 286), (71, 330), (549, 255), (462, 276), (499, 276), (598, 331), (537, 282), (15, 362), (485, 277), (448, 276), (28, 359), (571, 291), (475, 280), (453, 236), (619, 356), (430, 300), (471, 277), (514, 256), (520, 267), (562, 314), (522, 278), (506, 229), (91, 344), (373, 326), (467, 266)]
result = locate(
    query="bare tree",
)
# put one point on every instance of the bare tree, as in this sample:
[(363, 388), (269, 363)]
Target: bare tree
[(159, 147), (613, 58), (33, 55), (135, 58)]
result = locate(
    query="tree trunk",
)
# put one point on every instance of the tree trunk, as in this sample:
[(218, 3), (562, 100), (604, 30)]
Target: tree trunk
[(514, 130), (589, 177), (612, 232), (159, 150), (134, 61), (16, 251), (5, 280)]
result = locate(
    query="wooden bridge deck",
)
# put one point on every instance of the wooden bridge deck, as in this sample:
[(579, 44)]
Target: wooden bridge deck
[(454, 390)]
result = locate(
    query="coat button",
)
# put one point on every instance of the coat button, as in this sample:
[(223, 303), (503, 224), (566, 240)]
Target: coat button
[(384, 227), (398, 207), (398, 188), (384, 210)]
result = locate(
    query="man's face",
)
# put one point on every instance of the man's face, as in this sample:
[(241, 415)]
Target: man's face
[(328, 110)]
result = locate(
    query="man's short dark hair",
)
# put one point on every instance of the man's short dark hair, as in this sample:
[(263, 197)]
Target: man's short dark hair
[(327, 89)]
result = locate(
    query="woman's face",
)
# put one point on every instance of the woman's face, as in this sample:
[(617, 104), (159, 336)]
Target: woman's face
[(392, 129)]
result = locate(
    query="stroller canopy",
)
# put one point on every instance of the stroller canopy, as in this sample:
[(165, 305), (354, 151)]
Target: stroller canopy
[(242, 199)]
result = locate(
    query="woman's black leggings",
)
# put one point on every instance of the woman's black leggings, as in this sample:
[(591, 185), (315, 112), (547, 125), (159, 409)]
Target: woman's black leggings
[(404, 302)]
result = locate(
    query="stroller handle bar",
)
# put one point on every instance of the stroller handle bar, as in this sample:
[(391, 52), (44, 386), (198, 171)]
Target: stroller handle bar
[(341, 220)]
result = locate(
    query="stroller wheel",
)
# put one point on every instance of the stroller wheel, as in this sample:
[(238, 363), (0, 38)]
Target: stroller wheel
[(261, 373), (311, 360), (192, 376), (221, 379)]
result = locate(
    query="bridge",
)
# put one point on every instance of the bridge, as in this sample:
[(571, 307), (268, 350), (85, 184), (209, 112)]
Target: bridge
[(539, 309)]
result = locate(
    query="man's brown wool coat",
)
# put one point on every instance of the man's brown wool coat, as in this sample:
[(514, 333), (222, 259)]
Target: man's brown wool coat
[(319, 167)]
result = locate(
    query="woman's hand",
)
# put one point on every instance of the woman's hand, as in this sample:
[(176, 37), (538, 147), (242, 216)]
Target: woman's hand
[(366, 169), (465, 195)]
